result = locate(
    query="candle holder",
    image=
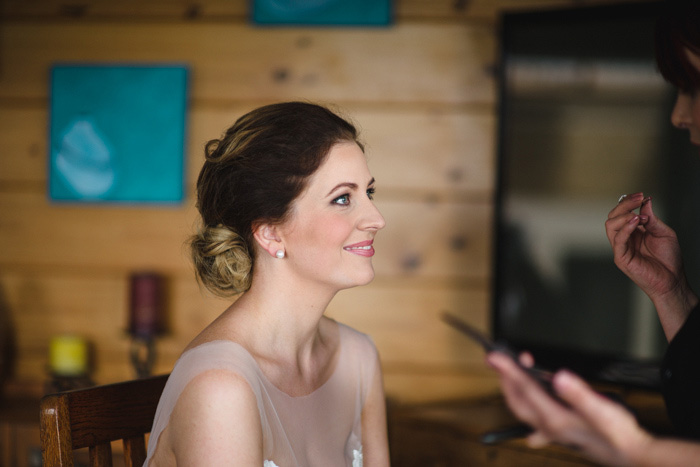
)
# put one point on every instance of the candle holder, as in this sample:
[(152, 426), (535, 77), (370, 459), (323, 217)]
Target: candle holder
[(145, 320), (142, 354)]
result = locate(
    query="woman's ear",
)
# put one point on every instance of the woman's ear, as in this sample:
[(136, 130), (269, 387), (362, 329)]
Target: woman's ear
[(268, 238)]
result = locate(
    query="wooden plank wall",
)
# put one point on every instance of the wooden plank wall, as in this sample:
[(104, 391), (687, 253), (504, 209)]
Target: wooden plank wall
[(423, 92)]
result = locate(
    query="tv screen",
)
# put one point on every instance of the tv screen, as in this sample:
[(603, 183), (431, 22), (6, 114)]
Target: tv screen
[(584, 118)]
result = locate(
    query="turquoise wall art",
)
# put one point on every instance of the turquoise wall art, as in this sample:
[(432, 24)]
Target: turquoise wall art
[(117, 133), (322, 12)]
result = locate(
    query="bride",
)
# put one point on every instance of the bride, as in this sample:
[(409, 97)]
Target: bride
[(287, 221)]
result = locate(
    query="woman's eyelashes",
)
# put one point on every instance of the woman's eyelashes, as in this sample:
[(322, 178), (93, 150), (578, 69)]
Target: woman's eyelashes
[(344, 200)]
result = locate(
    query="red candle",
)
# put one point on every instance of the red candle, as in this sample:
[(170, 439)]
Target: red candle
[(146, 307)]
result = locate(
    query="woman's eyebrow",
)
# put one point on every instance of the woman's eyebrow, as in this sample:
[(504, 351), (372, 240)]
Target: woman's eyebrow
[(350, 185)]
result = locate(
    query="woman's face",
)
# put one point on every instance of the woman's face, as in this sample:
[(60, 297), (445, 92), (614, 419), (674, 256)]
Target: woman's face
[(328, 238), (686, 112)]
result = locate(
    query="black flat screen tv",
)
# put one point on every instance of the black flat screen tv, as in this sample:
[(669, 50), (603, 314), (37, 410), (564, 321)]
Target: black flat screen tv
[(584, 118)]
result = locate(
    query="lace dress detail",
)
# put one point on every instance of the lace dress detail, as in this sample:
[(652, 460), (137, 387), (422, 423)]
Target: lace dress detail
[(296, 431), (357, 457), (356, 461)]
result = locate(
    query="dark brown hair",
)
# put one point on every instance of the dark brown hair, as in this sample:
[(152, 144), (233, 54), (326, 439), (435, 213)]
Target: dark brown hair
[(251, 176), (677, 29)]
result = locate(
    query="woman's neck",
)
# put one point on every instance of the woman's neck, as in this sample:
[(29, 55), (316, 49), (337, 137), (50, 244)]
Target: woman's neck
[(287, 334), (282, 319)]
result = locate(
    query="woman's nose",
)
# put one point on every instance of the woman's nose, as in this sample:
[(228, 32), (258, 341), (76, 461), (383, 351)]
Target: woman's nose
[(373, 219), (680, 117)]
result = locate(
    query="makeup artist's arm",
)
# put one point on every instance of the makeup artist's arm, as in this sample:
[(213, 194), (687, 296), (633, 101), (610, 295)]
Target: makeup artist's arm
[(600, 428), (647, 251)]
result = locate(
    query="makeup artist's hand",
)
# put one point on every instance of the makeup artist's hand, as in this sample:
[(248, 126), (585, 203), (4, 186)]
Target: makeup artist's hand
[(647, 251), (602, 429), (599, 428)]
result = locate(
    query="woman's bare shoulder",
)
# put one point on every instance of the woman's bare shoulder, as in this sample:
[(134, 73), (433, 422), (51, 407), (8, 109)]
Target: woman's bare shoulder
[(216, 415)]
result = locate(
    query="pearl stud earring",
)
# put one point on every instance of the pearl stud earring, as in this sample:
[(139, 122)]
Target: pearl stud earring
[(280, 254)]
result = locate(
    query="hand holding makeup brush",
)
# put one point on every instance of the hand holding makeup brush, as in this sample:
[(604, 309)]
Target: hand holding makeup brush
[(648, 252)]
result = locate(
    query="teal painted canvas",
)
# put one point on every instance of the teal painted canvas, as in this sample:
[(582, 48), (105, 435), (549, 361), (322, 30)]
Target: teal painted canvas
[(322, 12), (117, 133)]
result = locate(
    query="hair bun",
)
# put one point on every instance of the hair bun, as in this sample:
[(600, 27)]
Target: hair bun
[(222, 260)]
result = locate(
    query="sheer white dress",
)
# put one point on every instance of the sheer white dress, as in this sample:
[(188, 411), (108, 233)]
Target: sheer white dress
[(319, 429)]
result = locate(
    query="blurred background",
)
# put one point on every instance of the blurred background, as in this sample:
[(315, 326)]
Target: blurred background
[(422, 88)]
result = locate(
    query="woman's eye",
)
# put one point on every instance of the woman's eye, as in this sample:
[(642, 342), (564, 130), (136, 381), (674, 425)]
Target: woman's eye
[(342, 200), (370, 193)]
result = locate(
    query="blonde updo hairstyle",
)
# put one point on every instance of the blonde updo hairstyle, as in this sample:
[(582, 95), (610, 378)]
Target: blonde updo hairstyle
[(251, 176)]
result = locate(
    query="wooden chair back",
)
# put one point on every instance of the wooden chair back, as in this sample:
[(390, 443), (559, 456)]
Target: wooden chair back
[(94, 417)]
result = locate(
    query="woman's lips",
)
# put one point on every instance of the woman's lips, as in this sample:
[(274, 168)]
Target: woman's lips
[(362, 249)]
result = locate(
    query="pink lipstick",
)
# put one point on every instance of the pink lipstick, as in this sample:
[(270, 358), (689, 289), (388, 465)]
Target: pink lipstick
[(362, 249)]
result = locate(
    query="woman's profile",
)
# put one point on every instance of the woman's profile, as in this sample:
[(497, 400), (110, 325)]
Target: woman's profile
[(287, 221)]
